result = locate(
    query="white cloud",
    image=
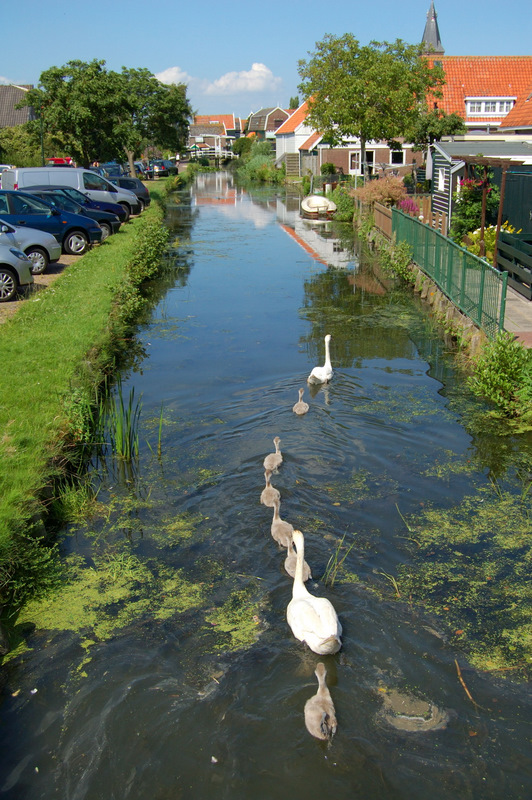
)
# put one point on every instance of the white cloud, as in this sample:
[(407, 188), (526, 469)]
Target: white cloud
[(4, 81), (257, 79)]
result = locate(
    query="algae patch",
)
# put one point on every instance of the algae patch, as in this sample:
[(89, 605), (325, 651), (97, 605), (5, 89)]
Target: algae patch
[(472, 567), (237, 622), (118, 590)]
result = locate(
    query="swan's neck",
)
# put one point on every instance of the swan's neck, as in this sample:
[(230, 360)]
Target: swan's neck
[(276, 447), (300, 395), (299, 584), (276, 516), (267, 478), (327, 354)]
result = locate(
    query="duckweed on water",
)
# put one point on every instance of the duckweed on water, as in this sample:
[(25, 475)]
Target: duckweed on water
[(472, 567), (237, 621), (101, 600)]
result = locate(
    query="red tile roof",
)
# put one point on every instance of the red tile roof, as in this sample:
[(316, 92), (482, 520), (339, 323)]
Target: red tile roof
[(521, 114), (311, 141), (481, 76), (229, 120), (294, 121)]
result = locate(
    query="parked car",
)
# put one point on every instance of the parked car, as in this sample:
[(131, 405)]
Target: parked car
[(74, 232), (41, 248), (141, 170), (15, 272), (83, 199), (109, 223), (161, 168), (134, 185), (95, 186)]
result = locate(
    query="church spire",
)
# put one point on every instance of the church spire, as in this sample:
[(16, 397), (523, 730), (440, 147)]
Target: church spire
[(431, 35)]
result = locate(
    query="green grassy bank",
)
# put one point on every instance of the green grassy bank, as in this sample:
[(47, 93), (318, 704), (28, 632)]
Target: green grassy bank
[(55, 353)]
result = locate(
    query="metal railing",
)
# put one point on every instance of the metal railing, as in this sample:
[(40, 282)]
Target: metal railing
[(473, 285)]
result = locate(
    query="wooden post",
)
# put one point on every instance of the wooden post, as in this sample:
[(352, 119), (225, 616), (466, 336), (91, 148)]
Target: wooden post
[(483, 217), (499, 213)]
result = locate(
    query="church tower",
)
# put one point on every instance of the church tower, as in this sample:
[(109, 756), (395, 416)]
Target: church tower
[(431, 36)]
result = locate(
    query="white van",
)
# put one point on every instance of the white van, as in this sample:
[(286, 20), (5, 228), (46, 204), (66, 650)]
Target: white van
[(91, 184)]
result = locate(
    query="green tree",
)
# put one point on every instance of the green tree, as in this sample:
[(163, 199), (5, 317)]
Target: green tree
[(94, 113), (376, 91), (79, 103), (432, 125), (294, 102), (242, 146), (151, 113), (21, 145)]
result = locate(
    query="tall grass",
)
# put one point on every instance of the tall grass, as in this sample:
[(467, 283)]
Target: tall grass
[(336, 561), (123, 419)]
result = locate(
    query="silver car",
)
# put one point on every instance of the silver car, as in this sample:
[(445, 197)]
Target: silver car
[(41, 248), (15, 272)]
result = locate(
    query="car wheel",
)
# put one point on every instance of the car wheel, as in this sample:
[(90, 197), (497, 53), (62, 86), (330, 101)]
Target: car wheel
[(75, 243), (106, 230), (142, 204), (39, 259), (8, 284), (127, 210)]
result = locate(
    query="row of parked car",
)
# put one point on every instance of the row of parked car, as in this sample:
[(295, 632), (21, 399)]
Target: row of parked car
[(50, 210), (157, 168)]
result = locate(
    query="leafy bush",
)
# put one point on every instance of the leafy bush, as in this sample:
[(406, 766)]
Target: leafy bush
[(397, 259), (328, 168), (502, 373), (388, 190), (467, 213), (472, 242), (345, 204)]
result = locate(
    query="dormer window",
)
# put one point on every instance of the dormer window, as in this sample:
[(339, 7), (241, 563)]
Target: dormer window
[(489, 106)]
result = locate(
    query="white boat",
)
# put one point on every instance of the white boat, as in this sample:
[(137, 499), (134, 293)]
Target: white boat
[(316, 205)]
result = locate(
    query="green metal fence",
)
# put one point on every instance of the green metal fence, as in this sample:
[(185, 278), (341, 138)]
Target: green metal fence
[(475, 287)]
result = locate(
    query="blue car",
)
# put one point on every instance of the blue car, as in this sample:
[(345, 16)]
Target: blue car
[(74, 232), (82, 199)]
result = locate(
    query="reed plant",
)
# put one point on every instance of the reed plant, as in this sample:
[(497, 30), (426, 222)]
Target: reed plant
[(123, 423), (336, 561)]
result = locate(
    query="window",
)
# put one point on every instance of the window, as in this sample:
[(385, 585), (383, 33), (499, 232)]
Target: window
[(475, 108), (490, 108), (441, 180), (397, 157), (354, 164), (94, 182)]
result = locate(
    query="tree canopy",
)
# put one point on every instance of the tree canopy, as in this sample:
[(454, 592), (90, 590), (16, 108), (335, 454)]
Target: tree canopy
[(373, 92), (94, 113)]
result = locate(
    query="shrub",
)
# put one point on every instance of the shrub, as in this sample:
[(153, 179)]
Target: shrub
[(345, 204), (409, 207), (490, 232), (502, 373), (328, 168), (467, 213), (388, 190)]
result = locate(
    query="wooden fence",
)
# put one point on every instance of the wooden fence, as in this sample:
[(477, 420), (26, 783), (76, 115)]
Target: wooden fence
[(383, 217), (514, 254)]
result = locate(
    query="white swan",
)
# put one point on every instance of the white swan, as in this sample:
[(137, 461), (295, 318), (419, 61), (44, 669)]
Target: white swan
[(300, 407), (281, 530), (269, 494), (325, 373), (313, 619), (274, 460), (320, 716), (291, 561)]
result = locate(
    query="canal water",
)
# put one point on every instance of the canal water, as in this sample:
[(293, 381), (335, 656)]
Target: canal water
[(176, 675)]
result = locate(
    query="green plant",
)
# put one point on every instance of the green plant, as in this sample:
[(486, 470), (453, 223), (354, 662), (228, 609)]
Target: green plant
[(123, 424), (397, 259), (502, 373), (336, 561), (345, 204), (467, 212), (327, 168), (472, 242)]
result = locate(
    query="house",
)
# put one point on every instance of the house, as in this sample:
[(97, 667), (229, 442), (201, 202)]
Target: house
[(482, 89), (213, 133), (448, 168), (10, 96), (264, 123), (303, 150)]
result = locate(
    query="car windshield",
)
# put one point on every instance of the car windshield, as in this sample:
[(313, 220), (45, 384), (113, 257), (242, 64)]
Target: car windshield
[(78, 197)]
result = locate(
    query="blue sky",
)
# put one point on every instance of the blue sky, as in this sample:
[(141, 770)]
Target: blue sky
[(238, 55)]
